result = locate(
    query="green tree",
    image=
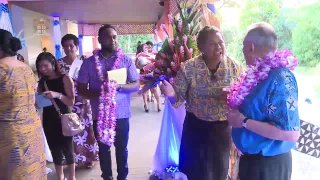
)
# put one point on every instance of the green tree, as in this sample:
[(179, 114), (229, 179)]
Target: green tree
[(129, 42), (306, 35), (257, 11), (233, 39), (284, 25)]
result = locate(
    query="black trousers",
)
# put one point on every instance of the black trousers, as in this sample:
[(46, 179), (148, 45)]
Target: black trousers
[(205, 149), (121, 142), (258, 167), (61, 147)]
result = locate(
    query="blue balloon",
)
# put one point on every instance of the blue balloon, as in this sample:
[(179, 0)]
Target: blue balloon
[(188, 11), (212, 8)]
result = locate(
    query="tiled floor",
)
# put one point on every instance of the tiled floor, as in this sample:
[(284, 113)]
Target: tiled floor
[(144, 132)]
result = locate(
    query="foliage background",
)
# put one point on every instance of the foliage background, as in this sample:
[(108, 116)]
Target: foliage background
[(129, 42), (296, 23)]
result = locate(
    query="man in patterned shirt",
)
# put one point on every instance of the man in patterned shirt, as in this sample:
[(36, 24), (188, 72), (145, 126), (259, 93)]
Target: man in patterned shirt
[(88, 76), (267, 125)]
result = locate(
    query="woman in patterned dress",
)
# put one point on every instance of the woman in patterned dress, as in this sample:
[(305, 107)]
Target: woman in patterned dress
[(22, 154), (85, 145)]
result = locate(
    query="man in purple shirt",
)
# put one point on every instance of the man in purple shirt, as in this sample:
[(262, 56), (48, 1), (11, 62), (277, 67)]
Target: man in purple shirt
[(88, 77)]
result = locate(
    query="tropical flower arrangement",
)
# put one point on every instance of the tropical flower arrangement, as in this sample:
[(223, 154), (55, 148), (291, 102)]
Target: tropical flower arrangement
[(167, 61)]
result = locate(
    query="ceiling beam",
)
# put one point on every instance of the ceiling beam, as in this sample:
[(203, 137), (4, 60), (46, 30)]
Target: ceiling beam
[(22, 0)]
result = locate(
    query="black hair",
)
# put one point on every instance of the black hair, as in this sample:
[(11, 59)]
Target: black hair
[(139, 41), (83, 57), (52, 60), (149, 43), (44, 49), (203, 33), (68, 37), (140, 48), (20, 57), (8, 44), (102, 28)]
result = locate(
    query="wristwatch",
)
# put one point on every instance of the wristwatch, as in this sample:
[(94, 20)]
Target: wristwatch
[(120, 88), (244, 122)]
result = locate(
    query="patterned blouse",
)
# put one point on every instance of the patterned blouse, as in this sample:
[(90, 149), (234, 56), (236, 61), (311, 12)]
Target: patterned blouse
[(202, 91)]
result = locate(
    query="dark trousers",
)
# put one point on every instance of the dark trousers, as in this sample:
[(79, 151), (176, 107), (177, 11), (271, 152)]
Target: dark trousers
[(205, 149), (258, 167), (121, 142)]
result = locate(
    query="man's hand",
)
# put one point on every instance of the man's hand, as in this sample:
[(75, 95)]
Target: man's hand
[(235, 118)]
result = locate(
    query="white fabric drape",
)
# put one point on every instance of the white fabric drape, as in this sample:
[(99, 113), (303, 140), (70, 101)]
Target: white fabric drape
[(57, 37), (5, 20), (167, 152)]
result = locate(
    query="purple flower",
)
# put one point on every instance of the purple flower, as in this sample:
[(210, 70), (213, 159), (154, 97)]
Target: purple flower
[(170, 18), (176, 40), (257, 73), (171, 81), (185, 39), (181, 51), (189, 27), (162, 78), (149, 75), (179, 26)]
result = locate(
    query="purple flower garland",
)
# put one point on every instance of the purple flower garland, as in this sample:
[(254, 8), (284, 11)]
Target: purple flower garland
[(107, 102), (257, 73)]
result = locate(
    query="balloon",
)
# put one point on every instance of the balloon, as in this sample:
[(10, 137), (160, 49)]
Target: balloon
[(212, 8), (188, 11)]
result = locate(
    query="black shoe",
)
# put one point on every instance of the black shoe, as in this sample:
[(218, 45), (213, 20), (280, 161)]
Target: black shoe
[(146, 109)]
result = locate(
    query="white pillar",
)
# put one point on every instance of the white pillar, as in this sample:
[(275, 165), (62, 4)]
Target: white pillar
[(80, 44), (57, 37), (18, 28)]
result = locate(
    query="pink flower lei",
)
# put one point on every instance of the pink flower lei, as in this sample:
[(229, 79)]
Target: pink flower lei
[(106, 125), (257, 73)]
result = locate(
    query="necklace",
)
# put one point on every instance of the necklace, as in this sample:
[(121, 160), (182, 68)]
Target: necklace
[(257, 73), (107, 101)]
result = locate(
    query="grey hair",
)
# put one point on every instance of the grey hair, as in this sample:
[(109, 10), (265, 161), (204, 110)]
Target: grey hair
[(262, 35)]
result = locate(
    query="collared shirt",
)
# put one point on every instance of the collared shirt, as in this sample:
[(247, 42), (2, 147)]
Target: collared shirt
[(274, 100), (88, 74), (203, 94)]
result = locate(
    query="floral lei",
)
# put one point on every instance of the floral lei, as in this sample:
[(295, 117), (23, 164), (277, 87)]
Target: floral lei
[(107, 101), (257, 73)]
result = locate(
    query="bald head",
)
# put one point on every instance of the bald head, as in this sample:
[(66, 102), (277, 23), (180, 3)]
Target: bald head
[(262, 35), (260, 40)]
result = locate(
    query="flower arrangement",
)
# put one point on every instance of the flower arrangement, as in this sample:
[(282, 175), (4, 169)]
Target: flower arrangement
[(107, 101), (167, 61), (257, 73)]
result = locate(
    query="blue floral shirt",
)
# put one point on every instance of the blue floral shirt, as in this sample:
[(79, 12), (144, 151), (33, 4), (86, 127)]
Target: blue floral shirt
[(88, 74), (274, 100)]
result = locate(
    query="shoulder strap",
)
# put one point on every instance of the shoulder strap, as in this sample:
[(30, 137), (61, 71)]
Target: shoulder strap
[(53, 102)]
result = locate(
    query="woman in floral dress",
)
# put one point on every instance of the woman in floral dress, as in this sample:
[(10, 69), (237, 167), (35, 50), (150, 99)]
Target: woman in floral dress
[(85, 145)]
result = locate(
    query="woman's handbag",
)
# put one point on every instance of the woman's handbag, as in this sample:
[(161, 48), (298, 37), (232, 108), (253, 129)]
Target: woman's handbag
[(71, 123)]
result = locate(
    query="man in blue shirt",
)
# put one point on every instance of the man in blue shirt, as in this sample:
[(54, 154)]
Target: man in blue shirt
[(267, 125)]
